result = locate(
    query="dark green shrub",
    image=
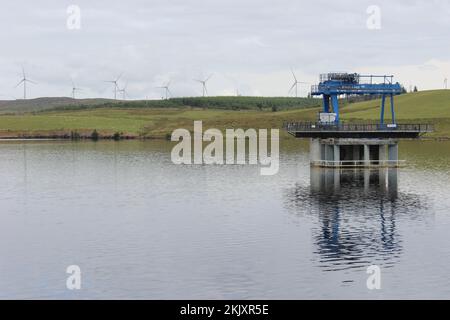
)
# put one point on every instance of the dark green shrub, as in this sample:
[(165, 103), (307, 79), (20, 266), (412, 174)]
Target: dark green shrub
[(94, 135)]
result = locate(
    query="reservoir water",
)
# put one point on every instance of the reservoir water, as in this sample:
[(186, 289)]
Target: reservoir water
[(139, 226)]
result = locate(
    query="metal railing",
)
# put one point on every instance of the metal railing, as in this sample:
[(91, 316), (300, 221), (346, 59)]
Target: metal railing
[(358, 163), (356, 89), (307, 126)]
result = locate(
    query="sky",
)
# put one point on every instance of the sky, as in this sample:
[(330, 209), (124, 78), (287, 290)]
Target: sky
[(249, 46)]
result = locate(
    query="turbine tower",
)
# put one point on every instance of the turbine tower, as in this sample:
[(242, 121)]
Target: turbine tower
[(124, 91), (24, 81), (295, 84), (445, 83), (166, 89), (203, 82), (116, 87), (74, 89)]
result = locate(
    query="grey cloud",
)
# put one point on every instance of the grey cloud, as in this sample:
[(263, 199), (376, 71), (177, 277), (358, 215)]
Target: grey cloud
[(255, 42)]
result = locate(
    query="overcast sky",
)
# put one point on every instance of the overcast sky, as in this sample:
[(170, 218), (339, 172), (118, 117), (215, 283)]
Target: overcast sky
[(248, 45)]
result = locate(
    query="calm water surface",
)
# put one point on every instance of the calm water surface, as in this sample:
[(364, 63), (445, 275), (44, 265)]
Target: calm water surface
[(141, 227)]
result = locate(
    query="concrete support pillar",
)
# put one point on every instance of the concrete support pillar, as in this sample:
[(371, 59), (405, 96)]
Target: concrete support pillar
[(329, 152), (356, 155), (382, 152), (336, 153), (314, 150), (366, 154), (393, 151)]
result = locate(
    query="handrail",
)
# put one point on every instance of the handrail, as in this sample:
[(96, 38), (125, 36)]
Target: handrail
[(356, 127), (358, 163)]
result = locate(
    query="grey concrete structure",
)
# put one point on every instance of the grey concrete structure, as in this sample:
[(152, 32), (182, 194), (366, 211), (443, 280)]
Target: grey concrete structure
[(352, 152), (315, 150), (382, 152), (337, 153), (393, 152), (366, 153)]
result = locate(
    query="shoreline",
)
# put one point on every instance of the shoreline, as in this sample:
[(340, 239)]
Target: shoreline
[(66, 137)]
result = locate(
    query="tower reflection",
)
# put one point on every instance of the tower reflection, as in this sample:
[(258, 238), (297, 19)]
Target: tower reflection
[(357, 214), (329, 181)]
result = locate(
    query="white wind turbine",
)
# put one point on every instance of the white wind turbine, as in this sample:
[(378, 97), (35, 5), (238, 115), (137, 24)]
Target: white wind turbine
[(116, 87), (295, 84), (166, 89), (24, 81), (74, 89), (445, 83), (124, 91), (203, 82)]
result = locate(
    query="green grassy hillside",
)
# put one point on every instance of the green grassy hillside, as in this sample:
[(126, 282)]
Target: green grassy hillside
[(421, 107), (226, 103), (40, 104), (140, 122), (433, 104), (158, 118)]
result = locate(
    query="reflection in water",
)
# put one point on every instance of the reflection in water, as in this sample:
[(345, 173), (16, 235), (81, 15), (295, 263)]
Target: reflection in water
[(357, 212)]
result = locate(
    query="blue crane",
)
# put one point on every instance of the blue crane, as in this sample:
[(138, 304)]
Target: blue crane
[(332, 85)]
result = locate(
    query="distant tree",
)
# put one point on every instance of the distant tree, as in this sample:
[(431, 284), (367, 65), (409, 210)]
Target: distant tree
[(274, 108), (415, 89), (117, 136), (94, 135), (404, 90), (74, 135)]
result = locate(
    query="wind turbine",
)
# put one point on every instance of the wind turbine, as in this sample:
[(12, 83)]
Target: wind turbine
[(445, 83), (24, 81), (166, 89), (124, 91), (295, 84), (203, 82), (74, 88), (116, 87)]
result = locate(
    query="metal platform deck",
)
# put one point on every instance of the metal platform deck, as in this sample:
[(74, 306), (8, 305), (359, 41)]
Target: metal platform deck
[(355, 130)]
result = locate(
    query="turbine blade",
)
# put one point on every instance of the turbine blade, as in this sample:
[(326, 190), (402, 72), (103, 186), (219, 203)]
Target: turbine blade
[(292, 87), (295, 78), (120, 75), (31, 81), (19, 83), (209, 77)]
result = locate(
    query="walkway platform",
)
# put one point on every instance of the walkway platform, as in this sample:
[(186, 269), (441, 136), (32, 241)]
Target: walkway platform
[(356, 130)]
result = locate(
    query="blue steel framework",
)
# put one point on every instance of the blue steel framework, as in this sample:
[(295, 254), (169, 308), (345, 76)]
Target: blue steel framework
[(332, 85)]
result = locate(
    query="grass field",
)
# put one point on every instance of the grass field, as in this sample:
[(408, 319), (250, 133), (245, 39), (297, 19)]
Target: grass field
[(156, 123), (423, 107)]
